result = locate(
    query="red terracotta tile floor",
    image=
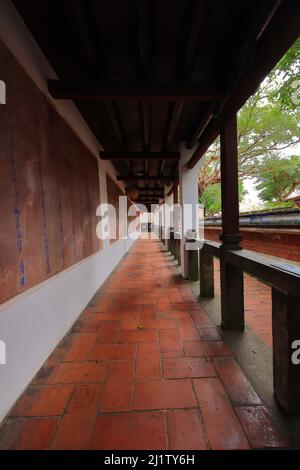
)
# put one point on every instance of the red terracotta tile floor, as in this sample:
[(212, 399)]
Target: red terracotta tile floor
[(142, 368)]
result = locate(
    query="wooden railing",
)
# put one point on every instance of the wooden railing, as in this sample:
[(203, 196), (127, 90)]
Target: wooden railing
[(284, 279)]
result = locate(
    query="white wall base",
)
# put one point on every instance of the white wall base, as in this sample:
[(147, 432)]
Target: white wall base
[(32, 323)]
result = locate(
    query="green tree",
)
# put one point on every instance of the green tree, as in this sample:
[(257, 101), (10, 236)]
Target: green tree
[(268, 125), (211, 198), (287, 74), (278, 179)]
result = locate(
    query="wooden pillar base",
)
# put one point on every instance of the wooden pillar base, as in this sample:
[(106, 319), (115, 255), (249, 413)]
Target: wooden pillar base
[(232, 282), (286, 360), (177, 250), (206, 274), (232, 296), (171, 241), (231, 242), (193, 265), (167, 243)]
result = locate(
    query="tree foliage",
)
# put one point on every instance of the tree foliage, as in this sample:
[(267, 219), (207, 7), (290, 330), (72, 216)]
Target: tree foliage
[(211, 198), (268, 126), (279, 178)]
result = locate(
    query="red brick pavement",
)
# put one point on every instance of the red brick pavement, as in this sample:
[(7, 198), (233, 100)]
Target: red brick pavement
[(142, 368)]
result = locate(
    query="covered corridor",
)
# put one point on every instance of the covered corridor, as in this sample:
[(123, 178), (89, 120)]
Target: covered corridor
[(107, 109), (142, 368)]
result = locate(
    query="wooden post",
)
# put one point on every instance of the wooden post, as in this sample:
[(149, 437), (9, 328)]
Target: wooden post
[(175, 192), (193, 262), (286, 343), (193, 256), (160, 224), (177, 247), (206, 274), (167, 239), (171, 241), (176, 222), (232, 284)]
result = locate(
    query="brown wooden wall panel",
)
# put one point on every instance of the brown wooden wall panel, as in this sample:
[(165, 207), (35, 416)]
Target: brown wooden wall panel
[(49, 187)]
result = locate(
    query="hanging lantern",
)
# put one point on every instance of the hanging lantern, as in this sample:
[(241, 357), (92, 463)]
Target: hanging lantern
[(132, 193)]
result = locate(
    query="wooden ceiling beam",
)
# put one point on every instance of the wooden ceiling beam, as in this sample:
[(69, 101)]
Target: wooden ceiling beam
[(139, 155), (202, 124), (145, 124), (147, 203), (173, 123), (148, 190), (151, 196), (147, 199), (132, 91), (161, 168), (116, 121), (276, 34), (143, 178), (186, 69), (204, 120), (117, 124), (199, 15), (148, 195), (142, 28), (84, 24), (141, 25)]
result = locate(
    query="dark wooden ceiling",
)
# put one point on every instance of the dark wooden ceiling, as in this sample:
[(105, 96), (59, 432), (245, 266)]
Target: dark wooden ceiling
[(154, 43)]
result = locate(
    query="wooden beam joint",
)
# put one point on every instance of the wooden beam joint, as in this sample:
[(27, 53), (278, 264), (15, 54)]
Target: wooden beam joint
[(140, 155), (133, 91)]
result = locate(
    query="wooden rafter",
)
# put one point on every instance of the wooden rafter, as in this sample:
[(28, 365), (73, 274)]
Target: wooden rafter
[(133, 91), (185, 70), (139, 155), (276, 34), (82, 22), (143, 178)]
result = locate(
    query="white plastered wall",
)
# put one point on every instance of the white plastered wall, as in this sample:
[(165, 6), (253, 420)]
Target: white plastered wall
[(32, 323)]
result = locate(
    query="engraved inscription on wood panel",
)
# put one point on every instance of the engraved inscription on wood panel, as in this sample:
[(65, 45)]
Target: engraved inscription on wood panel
[(49, 187)]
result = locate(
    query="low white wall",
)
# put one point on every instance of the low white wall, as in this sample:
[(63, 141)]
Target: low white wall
[(34, 322)]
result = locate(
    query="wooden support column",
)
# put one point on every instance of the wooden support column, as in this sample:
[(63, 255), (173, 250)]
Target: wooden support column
[(175, 192), (286, 347), (193, 264), (206, 274), (160, 215), (171, 241), (232, 284), (177, 250), (168, 219), (174, 217)]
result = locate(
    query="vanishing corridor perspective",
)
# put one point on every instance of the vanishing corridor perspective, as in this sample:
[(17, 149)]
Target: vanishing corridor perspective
[(126, 321), (142, 368)]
